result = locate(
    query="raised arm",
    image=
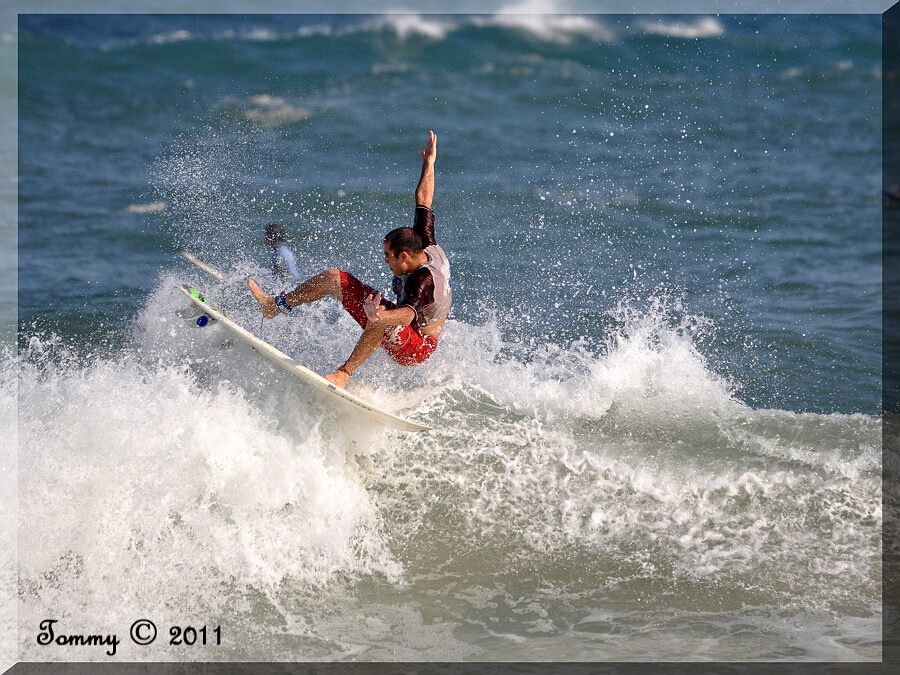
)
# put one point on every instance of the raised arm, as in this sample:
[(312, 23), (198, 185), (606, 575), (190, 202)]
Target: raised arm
[(425, 189)]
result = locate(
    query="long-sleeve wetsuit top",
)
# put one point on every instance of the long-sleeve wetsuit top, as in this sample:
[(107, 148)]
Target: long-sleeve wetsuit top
[(426, 290)]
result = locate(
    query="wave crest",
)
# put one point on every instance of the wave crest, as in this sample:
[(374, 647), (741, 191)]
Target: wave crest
[(705, 27)]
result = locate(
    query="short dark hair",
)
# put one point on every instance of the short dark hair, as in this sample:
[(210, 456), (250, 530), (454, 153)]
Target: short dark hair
[(404, 239), (275, 235)]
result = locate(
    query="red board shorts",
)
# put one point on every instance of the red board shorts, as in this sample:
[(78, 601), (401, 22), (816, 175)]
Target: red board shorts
[(404, 344)]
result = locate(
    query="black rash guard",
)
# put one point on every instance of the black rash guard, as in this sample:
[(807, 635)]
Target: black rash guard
[(426, 290)]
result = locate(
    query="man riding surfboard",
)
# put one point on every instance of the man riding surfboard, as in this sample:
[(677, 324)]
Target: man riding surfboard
[(408, 329)]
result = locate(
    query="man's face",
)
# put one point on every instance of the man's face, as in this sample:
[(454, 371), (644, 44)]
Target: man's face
[(399, 264)]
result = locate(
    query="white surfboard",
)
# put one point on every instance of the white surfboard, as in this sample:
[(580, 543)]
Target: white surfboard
[(305, 375), (209, 269)]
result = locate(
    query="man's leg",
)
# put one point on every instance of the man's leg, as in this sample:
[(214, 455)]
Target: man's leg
[(316, 288), (330, 282), (368, 344)]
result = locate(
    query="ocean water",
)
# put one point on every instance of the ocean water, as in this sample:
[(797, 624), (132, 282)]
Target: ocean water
[(656, 402)]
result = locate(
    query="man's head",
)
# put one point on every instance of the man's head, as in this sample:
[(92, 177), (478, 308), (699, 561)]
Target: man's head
[(275, 235), (402, 250)]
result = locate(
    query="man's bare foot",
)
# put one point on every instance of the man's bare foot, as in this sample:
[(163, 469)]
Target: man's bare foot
[(266, 301), (338, 378)]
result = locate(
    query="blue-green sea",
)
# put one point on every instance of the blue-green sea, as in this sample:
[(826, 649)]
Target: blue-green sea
[(656, 403)]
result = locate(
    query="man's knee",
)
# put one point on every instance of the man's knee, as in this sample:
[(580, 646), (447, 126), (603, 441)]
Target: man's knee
[(332, 275), (332, 279)]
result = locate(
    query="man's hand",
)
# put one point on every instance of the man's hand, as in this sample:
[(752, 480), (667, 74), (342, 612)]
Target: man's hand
[(372, 305), (429, 154)]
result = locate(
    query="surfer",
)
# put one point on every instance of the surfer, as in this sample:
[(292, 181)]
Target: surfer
[(408, 329), (283, 263)]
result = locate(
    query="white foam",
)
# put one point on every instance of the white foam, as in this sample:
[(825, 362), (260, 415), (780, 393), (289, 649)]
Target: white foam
[(547, 20), (8, 510), (145, 486), (405, 25), (644, 447), (171, 37), (273, 111), (262, 35), (648, 369), (705, 27), (176, 476)]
